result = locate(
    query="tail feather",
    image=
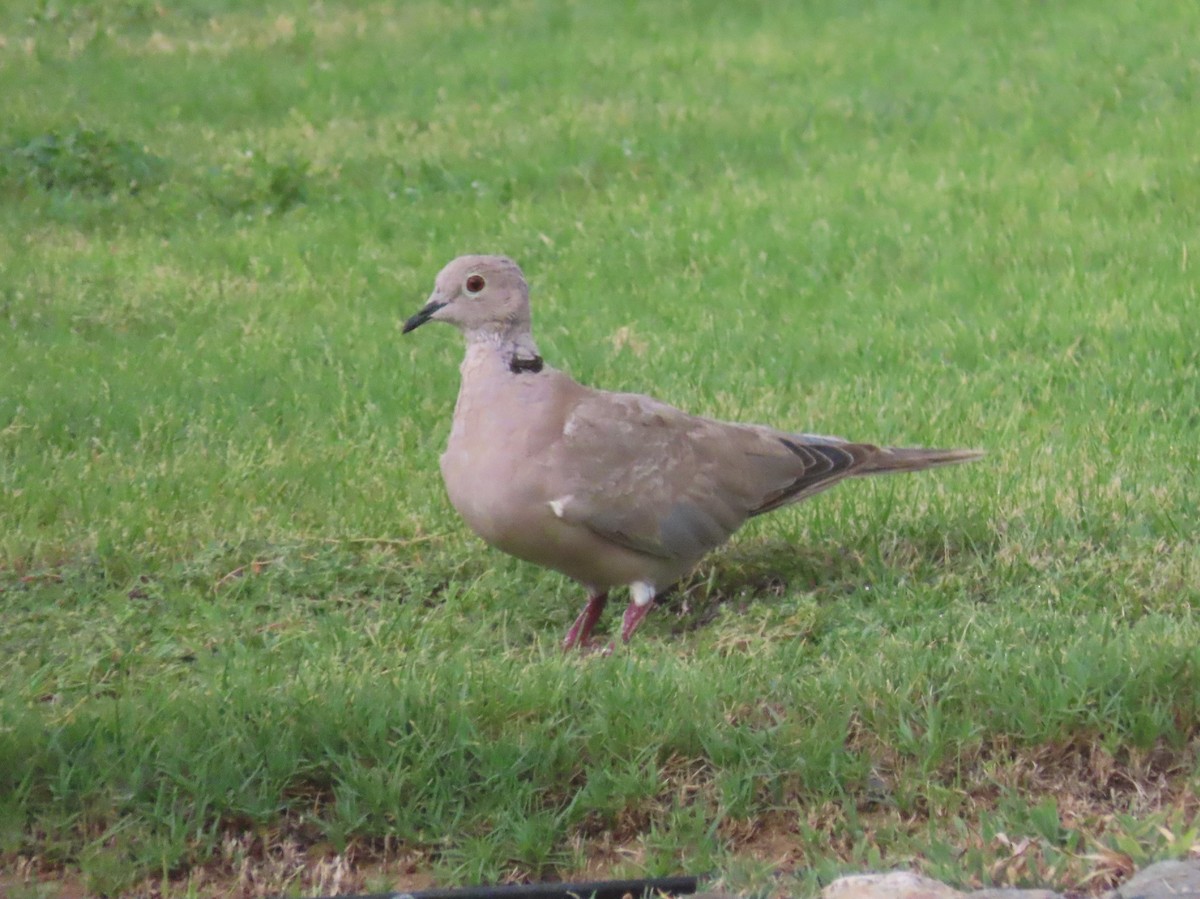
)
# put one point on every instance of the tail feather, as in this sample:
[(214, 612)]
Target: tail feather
[(825, 461), (897, 459)]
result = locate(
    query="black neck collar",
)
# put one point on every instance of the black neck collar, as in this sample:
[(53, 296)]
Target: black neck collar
[(519, 364)]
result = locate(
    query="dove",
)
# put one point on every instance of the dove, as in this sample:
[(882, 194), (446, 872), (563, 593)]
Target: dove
[(610, 489)]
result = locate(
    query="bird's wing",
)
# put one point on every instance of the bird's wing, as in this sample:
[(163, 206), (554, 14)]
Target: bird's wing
[(654, 479)]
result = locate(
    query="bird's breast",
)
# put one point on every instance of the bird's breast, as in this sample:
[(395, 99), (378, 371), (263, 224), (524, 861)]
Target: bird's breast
[(494, 463)]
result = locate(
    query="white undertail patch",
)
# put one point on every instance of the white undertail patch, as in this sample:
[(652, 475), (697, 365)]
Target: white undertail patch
[(641, 593), (557, 506)]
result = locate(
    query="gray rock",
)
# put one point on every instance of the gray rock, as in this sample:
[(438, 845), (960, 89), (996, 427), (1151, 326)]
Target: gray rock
[(1162, 880), (893, 885), (907, 885)]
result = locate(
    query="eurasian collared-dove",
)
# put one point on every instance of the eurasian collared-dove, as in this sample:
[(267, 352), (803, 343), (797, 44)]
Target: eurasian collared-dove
[(610, 489)]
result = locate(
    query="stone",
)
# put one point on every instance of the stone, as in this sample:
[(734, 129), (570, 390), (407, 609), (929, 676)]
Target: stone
[(908, 885), (892, 885), (1162, 880)]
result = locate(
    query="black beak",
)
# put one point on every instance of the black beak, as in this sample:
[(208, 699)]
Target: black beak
[(421, 317)]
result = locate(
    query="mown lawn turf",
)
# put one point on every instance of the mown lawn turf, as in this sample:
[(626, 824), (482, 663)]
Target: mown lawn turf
[(246, 643)]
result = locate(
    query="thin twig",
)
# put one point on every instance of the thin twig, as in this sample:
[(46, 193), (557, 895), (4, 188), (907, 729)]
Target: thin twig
[(255, 567)]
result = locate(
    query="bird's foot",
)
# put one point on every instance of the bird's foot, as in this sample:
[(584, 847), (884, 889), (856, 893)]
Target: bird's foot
[(634, 613), (580, 634)]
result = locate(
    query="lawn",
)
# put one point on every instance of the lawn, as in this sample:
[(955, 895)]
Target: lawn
[(246, 644)]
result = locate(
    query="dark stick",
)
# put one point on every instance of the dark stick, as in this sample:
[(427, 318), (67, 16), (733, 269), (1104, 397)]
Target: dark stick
[(601, 889)]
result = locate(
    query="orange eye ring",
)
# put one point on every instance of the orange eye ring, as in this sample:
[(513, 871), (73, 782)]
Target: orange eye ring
[(475, 283)]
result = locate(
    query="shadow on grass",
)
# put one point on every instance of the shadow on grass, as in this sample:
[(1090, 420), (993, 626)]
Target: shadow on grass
[(772, 570)]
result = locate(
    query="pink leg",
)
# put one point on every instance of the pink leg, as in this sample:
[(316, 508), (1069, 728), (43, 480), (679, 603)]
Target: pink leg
[(634, 613), (581, 630)]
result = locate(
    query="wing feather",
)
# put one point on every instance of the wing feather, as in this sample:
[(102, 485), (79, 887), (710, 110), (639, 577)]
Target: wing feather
[(651, 478)]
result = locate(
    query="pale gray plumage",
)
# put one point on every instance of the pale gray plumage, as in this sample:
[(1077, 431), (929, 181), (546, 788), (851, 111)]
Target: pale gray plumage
[(611, 489)]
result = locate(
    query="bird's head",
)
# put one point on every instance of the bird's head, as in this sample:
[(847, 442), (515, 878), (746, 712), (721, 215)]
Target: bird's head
[(483, 296)]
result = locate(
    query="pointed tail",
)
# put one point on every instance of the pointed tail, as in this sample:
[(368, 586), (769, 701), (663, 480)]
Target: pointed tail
[(824, 461), (897, 458)]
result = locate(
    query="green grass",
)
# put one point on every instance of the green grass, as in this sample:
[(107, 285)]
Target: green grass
[(245, 639)]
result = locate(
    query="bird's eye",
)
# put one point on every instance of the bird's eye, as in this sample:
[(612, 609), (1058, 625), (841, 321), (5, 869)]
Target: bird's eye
[(475, 283)]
